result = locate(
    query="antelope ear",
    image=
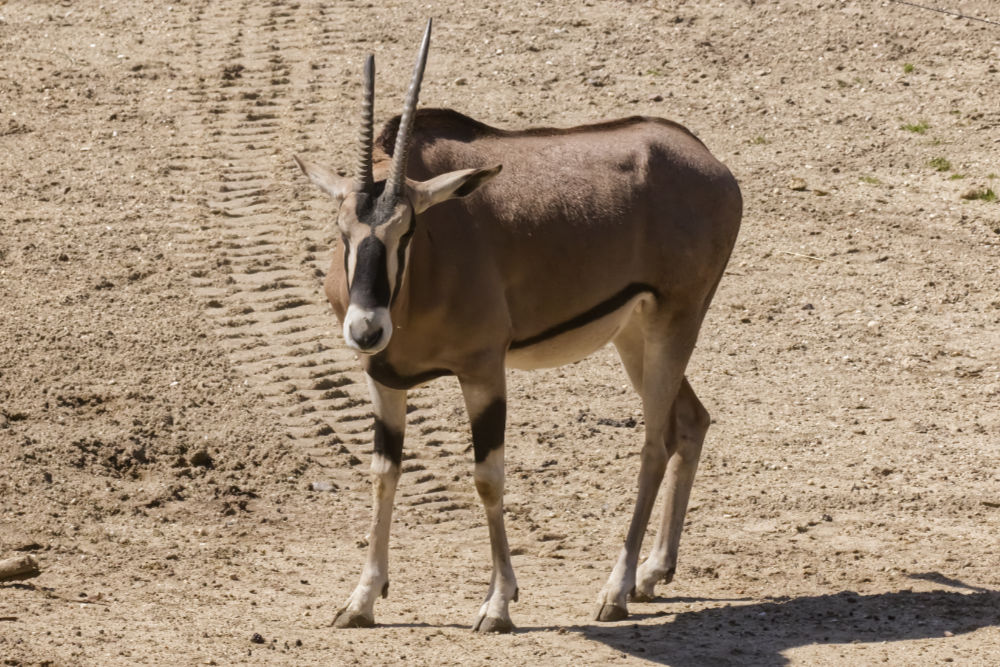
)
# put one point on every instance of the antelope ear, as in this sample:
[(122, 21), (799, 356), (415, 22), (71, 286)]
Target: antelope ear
[(424, 194), (334, 185)]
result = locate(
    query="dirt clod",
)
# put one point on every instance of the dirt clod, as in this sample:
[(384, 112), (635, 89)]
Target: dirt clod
[(201, 459)]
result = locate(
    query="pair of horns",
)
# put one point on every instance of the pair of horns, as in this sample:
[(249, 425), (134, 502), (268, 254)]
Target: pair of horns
[(394, 184)]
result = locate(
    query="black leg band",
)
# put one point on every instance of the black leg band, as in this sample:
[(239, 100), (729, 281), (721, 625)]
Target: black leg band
[(388, 442), (488, 429)]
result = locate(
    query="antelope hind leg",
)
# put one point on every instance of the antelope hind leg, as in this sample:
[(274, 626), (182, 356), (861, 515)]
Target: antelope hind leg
[(661, 374), (689, 423), (655, 366)]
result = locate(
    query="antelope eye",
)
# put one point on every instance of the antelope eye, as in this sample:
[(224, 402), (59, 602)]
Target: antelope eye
[(342, 225)]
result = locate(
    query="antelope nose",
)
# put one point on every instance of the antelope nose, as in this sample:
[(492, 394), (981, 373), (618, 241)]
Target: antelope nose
[(365, 330), (366, 333)]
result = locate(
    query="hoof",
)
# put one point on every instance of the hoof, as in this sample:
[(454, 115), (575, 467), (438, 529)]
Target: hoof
[(641, 596), (487, 624), (611, 612), (346, 619)]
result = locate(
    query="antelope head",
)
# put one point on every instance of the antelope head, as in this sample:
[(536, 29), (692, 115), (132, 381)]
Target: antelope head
[(377, 218)]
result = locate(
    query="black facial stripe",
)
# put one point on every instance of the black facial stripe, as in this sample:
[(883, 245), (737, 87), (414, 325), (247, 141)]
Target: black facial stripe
[(388, 442), (370, 286), (597, 312), (347, 255), (488, 429), (404, 241)]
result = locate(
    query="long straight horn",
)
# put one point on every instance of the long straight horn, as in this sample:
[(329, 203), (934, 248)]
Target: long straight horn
[(365, 181), (394, 184)]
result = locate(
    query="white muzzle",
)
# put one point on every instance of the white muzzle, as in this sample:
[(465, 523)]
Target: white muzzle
[(367, 331)]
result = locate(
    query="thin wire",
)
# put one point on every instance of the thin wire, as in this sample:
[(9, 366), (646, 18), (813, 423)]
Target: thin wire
[(945, 11)]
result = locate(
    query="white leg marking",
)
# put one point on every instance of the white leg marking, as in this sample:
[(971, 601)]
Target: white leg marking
[(359, 609), (613, 599), (494, 615)]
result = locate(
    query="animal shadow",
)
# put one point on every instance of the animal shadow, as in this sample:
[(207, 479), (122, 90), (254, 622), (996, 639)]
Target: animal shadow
[(757, 634)]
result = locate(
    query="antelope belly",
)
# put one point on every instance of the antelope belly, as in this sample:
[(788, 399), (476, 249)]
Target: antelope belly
[(578, 343)]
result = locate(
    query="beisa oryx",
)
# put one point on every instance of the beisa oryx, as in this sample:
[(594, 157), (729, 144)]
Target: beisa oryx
[(617, 231)]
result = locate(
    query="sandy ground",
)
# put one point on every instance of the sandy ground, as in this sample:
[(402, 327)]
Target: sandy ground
[(172, 383)]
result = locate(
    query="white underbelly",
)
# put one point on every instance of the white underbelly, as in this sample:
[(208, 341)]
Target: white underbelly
[(577, 343)]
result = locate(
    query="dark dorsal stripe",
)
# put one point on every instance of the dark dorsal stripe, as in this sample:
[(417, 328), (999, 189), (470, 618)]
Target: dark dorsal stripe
[(602, 309), (450, 124), (370, 282)]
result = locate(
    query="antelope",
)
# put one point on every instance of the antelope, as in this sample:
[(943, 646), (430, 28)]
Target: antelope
[(617, 231)]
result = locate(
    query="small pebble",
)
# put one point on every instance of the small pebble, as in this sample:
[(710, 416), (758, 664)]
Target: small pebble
[(323, 486)]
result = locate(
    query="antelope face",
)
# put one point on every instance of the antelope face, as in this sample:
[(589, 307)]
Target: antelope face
[(375, 231), (376, 243)]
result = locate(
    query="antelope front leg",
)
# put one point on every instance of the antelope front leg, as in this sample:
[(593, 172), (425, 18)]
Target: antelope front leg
[(390, 421), (487, 407)]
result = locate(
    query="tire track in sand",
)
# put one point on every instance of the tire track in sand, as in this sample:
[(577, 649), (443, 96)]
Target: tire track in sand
[(257, 243)]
